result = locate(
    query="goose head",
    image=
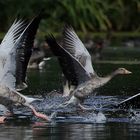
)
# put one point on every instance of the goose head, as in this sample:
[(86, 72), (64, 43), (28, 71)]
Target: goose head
[(122, 71)]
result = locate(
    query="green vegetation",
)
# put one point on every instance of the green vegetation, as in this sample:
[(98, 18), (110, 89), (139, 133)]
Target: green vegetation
[(84, 15)]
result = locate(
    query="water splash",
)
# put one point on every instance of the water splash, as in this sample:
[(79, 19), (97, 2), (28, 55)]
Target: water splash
[(70, 113), (95, 118), (134, 116)]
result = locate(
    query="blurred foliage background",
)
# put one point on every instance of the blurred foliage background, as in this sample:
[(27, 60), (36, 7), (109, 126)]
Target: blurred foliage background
[(86, 16)]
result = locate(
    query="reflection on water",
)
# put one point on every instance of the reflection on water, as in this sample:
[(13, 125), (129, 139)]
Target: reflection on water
[(117, 126), (64, 131), (72, 131), (15, 132)]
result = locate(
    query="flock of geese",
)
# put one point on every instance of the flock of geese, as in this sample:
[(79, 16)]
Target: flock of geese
[(15, 51)]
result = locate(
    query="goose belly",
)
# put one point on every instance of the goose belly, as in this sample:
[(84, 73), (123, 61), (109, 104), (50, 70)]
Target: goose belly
[(9, 96), (85, 89)]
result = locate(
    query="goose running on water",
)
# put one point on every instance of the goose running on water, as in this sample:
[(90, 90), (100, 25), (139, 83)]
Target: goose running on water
[(75, 62), (76, 48), (76, 57), (19, 40)]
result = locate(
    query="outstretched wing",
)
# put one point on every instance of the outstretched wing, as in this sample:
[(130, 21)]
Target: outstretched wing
[(72, 69), (13, 33), (9, 40), (14, 72), (24, 51), (74, 45)]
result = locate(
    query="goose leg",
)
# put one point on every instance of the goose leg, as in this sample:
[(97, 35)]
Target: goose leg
[(73, 101), (85, 108), (63, 105), (59, 106), (66, 89), (2, 119), (37, 114), (6, 114), (94, 109)]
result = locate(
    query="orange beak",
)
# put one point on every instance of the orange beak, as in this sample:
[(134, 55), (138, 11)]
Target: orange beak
[(127, 72)]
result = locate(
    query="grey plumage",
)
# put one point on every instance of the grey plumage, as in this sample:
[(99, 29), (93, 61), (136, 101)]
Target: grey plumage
[(73, 48), (72, 69), (14, 70)]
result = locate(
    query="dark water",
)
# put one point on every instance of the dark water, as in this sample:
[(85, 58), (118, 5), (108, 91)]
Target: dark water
[(71, 124), (67, 131)]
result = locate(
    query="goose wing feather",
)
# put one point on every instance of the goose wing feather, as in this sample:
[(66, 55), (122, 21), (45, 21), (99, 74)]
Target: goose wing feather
[(15, 68), (13, 33), (9, 40), (24, 51), (74, 45), (72, 69)]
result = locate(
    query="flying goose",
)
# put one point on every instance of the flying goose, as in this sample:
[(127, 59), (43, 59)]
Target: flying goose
[(79, 70), (14, 67)]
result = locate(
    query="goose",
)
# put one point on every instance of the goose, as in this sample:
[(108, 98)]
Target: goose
[(76, 65), (76, 48), (13, 69), (71, 68), (38, 59)]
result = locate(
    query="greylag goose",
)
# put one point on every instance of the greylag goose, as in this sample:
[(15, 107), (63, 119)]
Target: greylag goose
[(77, 66), (13, 69), (70, 66), (76, 48), (40, 55), (38, 59)]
